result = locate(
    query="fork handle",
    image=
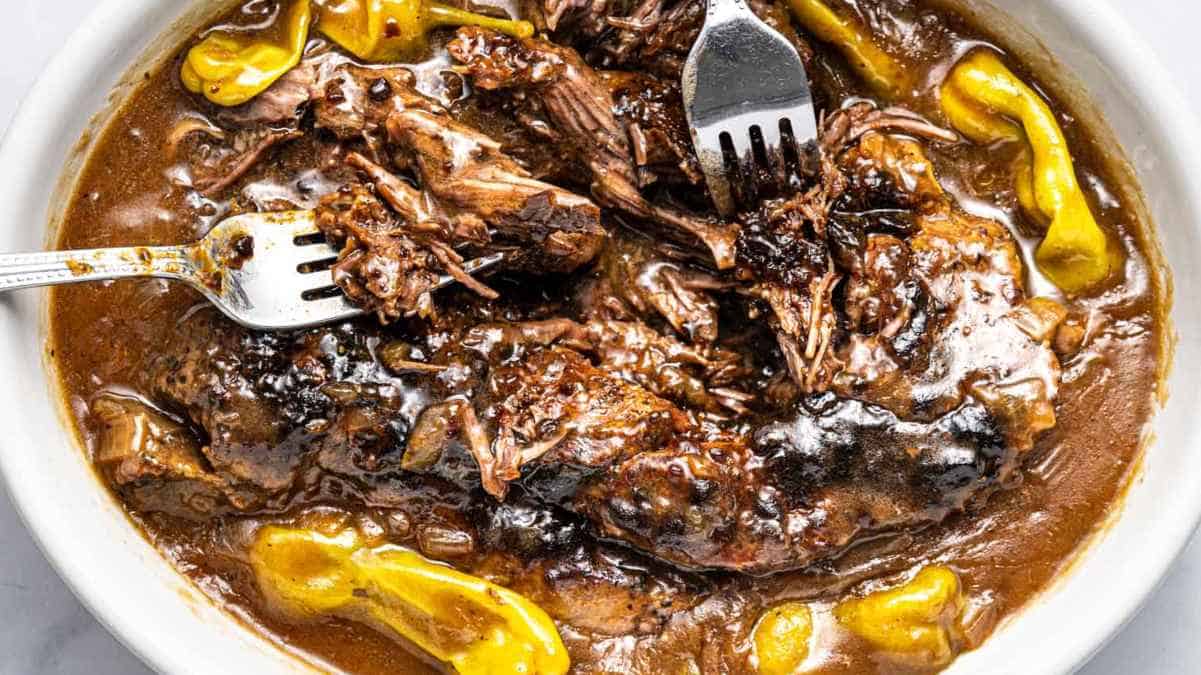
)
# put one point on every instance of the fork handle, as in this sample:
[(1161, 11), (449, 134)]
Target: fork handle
[(27, 270)]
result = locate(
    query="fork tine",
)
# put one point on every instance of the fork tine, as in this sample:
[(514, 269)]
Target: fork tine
[(332, 308), (317, 265), (482, 263), (275, 225), (774, 152), (707, 141), (745, 189), (299, 223), (307, 255), (804, 129), (284, 284), (743, 149), (306, 243)]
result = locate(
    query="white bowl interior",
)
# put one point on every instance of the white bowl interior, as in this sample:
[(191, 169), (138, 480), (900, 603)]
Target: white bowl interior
[(171, 625)]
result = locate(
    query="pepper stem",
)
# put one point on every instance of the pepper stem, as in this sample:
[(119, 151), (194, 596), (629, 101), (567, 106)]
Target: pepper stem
[(438, 14)]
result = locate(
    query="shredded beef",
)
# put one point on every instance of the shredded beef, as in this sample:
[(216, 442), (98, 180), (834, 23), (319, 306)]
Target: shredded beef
[(381, 267), (575, 100), (854, 357)]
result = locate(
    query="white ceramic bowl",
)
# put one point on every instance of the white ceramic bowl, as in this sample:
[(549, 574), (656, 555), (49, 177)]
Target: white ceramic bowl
[(167, 622)]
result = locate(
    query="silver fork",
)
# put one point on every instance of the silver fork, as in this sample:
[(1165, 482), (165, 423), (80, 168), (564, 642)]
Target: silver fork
[(268, 271), (745, 92)]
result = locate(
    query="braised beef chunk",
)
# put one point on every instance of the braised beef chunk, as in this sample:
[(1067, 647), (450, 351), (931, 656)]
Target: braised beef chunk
[(634, 280), (529, 528), (634, 352), (652, 111), (558, 410), (831, 442), (471, 198), (157, 462), (212, 372), (653, 35), (466, 186), (267, 410), (576, 102), (381, 268), (285, 102), (353, 102), (805, 490), (658, 34), (543, 228)]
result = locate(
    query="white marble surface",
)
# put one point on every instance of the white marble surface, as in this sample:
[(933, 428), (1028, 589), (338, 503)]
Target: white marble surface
[(45, 631)]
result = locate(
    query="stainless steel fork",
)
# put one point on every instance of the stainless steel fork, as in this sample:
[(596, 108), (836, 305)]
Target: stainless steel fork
[(747, 97), (268, 271)]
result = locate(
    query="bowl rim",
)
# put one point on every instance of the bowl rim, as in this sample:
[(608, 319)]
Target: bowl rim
[(1130, 58)]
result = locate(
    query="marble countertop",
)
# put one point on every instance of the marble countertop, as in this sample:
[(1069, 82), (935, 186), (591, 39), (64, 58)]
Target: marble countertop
[(47, 632)]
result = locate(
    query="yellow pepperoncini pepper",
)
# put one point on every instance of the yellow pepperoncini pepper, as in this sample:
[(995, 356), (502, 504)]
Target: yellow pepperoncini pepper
[(390, 30), (475, 626), (230, 69), (986, 102), (881, 71), (781, 638), (918, 618)]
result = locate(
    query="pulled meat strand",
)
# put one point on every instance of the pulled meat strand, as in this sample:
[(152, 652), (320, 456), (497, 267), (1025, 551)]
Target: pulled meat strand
[(381, 266), (406, 200), (636, 278), (189, 125), (847, 125), (494, 472), (451, 263), (246, 161)]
